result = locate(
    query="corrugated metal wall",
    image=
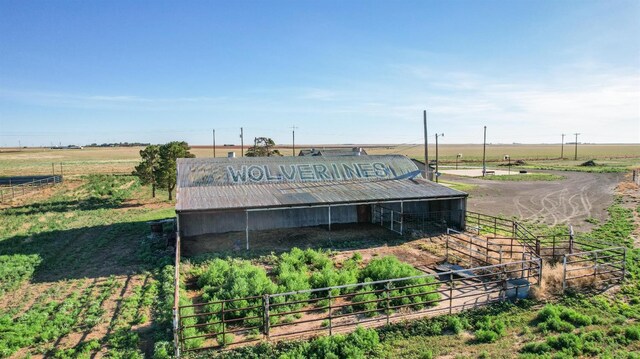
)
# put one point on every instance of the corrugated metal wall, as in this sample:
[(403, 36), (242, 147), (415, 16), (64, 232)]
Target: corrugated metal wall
[(198, 223)]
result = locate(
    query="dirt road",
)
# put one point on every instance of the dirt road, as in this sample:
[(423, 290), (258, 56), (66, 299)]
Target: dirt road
[(569, 201)]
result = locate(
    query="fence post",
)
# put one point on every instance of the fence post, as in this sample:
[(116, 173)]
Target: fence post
[(450, 292), (386, 289), (495, 227), (624, 264), (176, 333), (595, 266), (330, 314), (224, 339), (265, 302), (571, 241), (513, 229), (539, 271), (564, 273), (504, 284), (446, 251), (500, 256), (538, 246)]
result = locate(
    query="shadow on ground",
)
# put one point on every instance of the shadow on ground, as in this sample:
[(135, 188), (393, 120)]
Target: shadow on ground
[(124, 248), (89, 204)]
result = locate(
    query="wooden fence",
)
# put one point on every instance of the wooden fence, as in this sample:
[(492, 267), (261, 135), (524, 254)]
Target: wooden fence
[(12, 191)]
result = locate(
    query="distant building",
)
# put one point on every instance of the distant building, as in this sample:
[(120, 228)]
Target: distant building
[(337, 151)]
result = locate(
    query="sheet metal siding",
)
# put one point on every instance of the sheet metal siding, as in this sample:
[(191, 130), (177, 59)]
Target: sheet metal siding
[(206, 172), (292, 194), (198, 223)]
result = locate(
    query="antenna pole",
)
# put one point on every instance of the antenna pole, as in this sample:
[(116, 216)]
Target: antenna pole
[(242, 142), (426, 146), (293, 133), (214, 143)]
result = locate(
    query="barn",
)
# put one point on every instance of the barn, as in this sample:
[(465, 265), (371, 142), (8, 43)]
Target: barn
[(222, 195)]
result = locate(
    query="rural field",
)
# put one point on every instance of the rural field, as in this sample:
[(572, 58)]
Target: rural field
[(81, 275), (119, 160)]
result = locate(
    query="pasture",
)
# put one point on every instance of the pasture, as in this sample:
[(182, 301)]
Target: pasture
[(120, 160)]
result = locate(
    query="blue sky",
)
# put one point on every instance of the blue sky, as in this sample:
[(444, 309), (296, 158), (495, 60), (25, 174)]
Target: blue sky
[(342, 71)]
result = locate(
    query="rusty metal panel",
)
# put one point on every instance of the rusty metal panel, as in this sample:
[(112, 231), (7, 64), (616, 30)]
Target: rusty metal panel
[(197, 172), (210, 184)]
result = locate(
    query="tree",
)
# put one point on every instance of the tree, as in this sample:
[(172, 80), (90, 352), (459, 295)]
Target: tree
[(263, 148), (169, 153), (148, 169)]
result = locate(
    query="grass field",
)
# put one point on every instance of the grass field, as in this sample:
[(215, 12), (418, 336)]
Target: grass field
[(123, 159), (80, 275)]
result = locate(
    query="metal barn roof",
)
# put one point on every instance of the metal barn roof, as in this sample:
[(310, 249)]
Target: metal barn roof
[(249, 183)]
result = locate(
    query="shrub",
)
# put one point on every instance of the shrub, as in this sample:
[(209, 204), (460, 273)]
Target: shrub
[(567, 342), (363, 296), (536, 348), (489, 330), (561, 319), (225, 339), (632, 333), (163, 350), (391, 268), (486, 336), (456, 324), (575, 318)]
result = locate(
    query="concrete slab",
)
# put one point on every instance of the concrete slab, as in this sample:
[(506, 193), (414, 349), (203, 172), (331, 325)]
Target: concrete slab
[(478, 172)]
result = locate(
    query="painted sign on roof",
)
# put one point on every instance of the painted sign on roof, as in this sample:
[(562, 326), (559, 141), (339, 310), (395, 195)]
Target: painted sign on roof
[(194, 172)]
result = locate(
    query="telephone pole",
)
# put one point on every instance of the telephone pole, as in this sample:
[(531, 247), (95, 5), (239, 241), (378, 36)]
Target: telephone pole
[(575, 157), (242, 141), (214, 143), (562, 148), (293, 133), (484, 153), (426, 147)]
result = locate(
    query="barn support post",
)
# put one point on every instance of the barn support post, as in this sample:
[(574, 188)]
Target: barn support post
[(401, 217), (329, 217), (246, 230), (391, 220), (564, 273), (176, 293)]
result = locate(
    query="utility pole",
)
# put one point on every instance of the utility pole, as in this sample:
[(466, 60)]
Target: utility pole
[(242, 142), (426, 147), (484, 153), (575, 157), (214, 143), (562, 148), (293, 133), (437, 173)]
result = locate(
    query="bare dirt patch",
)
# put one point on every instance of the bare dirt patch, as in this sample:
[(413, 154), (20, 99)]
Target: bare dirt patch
[(570, 201)]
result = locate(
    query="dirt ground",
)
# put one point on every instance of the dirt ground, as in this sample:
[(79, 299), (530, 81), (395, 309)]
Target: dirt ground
[(362, 237), (569, 201)]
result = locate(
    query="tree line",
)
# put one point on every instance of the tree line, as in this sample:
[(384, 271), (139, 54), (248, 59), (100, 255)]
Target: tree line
[(158, 162), (158, 165)]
